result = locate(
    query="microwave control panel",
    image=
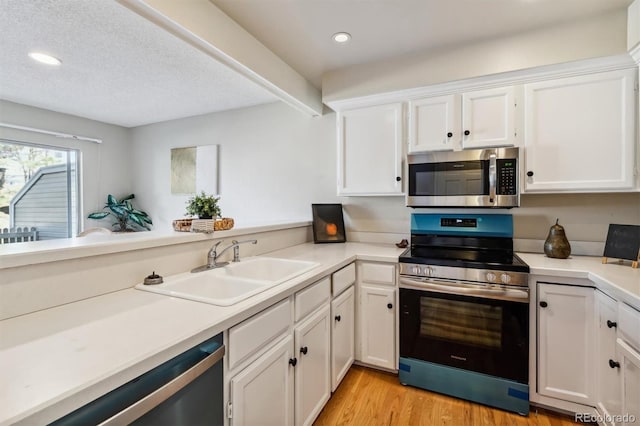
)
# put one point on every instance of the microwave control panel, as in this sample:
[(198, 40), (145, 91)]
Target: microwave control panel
[(507, 177)]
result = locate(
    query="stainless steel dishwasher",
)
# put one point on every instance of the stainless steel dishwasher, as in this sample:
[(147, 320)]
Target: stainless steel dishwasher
[(186, 390)]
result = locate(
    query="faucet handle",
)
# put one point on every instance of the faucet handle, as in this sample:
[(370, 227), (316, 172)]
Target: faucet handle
[(214, 248)]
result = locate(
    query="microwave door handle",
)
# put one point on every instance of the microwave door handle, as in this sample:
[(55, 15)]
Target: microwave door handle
[(492, 178)]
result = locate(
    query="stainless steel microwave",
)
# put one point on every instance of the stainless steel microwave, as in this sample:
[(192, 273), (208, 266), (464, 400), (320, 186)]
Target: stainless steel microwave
[(470, 178)]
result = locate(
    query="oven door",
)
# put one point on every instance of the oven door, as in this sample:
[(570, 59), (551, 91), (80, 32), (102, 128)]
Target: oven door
[(466, 326)]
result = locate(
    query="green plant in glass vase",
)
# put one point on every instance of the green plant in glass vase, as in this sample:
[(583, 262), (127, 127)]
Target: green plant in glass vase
[(204, 206)]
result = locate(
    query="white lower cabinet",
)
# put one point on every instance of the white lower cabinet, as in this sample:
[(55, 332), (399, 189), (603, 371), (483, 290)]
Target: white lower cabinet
[(342, 335), (566, 342), (607, 368), (312, 370), (263, 393), (378, 326), (630, 371), (377, 319), (628, 344), (284, 362)]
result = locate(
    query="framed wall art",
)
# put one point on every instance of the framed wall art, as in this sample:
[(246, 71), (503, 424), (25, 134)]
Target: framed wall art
[(328, 223)]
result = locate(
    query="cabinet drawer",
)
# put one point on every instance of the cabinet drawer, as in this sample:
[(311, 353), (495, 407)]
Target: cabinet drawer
[(311, 297), (378, 273), (629, 325), (343, 279), (258, 331)]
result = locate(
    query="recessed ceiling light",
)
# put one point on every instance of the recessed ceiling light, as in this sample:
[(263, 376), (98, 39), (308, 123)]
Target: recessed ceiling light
[(341, 37), (44, 58)]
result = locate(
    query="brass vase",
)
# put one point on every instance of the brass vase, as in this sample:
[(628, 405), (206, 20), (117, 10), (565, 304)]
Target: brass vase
[(556, 245)]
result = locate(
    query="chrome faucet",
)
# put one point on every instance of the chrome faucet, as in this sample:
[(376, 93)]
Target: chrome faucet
[(213, 255)]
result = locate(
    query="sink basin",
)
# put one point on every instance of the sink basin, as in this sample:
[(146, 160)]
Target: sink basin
[(215, 290), (233, 283), (267, 269)]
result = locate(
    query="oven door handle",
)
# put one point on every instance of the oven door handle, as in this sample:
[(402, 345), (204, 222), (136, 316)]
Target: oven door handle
[(473, 290)]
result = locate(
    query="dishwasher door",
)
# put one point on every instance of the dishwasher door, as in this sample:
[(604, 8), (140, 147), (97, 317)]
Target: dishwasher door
[(186, 390)]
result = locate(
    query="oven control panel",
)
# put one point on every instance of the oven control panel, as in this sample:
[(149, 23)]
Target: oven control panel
[(520, 279)]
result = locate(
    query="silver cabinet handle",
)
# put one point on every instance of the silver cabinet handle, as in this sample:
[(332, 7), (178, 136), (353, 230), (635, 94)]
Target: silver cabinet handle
[(157, 397)]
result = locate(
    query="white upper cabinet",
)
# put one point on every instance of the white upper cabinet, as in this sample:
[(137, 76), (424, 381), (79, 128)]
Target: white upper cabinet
[(370, 150), (488, 118), (478, 119), (580, 133), (434, 124)]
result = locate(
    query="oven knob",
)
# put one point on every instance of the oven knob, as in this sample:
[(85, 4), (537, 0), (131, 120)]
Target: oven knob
[(428, 271), (491, 276), (505, 278), (416, 270)]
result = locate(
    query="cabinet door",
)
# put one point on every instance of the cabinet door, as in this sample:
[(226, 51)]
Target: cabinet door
[(262, 393), (630, 365), (579, 133), (313, 370), (608, 388), (370, 150), (566, 343), (488, 118), (342, 336), (378, 326), (434, 124)]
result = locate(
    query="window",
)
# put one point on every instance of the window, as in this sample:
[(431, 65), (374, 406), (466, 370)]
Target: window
[(39, 189)]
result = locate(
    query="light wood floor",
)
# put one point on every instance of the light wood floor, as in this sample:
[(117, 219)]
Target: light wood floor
[(370, 397)]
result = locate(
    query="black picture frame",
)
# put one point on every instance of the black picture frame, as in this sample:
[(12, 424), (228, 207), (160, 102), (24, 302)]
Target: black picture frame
[(328, 223)]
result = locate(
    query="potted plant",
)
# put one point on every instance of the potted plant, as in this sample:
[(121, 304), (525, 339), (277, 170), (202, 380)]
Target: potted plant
[(204, 206), (127, 218)]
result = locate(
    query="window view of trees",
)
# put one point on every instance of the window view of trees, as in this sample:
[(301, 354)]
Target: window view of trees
[(33, 181)]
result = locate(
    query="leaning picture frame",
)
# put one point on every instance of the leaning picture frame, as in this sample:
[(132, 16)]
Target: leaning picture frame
[(328, 223)]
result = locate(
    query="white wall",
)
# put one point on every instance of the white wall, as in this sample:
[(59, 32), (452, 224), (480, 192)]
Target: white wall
[(633, 25), (595, 37), (274, 162), (106, 167)]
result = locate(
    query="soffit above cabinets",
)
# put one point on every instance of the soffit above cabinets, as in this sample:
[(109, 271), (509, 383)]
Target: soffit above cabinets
[(300, 31)]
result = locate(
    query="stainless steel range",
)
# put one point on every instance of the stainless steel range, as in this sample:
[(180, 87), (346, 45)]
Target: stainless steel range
[(464, 310)]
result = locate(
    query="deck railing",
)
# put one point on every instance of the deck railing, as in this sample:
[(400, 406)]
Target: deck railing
[(18, 235)]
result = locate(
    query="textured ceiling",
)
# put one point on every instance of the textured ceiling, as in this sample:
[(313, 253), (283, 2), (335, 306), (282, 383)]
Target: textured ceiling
[(117, 67), (299, 31)]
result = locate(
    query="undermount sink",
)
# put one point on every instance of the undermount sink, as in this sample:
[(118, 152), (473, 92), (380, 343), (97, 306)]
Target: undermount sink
[(233, 283)]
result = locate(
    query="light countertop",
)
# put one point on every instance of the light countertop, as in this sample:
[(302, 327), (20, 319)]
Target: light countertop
[(56, 360), (620, 281)]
